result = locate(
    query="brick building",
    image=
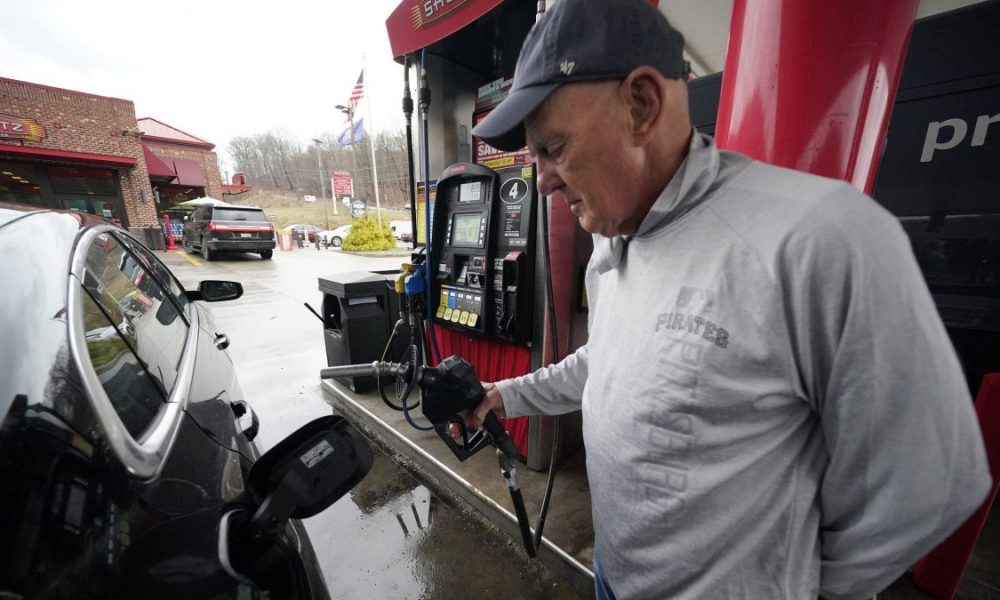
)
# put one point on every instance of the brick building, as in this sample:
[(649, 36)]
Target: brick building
[(80, 151), (182, 166)]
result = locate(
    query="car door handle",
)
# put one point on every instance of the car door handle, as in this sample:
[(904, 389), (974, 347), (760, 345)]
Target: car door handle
[(221, 341)]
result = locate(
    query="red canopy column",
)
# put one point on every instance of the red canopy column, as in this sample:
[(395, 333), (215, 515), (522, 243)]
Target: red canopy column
[(810, 85)]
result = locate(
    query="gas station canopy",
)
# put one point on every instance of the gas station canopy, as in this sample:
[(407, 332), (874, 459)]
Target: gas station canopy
[(481, 35), (416, 24)]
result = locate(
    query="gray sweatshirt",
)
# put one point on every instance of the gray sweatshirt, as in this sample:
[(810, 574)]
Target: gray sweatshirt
[(771, 405)]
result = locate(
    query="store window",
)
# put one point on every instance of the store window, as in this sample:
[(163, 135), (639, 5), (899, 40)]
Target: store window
[(83, 180), (85, 189), (19, 184)]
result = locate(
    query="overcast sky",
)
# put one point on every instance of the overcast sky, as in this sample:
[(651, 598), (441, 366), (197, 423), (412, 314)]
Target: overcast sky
[(216, 69)]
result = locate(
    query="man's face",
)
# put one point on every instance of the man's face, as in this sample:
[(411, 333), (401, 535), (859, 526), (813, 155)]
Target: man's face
[(580, 139)]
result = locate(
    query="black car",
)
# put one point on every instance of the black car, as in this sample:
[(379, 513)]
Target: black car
[(212, 229), (127, 460)]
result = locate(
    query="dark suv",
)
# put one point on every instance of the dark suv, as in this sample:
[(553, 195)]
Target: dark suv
[(214, 229)]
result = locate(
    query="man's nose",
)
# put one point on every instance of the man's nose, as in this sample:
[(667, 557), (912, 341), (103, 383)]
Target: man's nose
[(547, 180)]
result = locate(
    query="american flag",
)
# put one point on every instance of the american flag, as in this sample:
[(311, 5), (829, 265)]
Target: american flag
[(357, 92)]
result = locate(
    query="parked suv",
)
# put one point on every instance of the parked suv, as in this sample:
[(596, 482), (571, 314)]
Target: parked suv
[(214, 229)]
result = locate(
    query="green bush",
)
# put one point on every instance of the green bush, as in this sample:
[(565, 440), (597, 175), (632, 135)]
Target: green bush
[(366, 236)]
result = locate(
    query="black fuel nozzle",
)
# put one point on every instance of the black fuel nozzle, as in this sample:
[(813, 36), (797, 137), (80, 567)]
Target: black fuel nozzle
[(451, 388)]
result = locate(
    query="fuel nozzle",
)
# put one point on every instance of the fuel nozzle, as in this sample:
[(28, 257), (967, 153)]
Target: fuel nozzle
[(451, 388)]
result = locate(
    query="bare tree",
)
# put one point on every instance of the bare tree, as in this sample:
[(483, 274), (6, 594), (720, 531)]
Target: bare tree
[(274, 160)]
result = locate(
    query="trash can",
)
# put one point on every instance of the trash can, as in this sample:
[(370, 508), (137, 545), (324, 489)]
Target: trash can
[(359, 311), (153, 236)]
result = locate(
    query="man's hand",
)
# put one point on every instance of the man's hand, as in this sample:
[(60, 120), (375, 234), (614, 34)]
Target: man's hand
[(474, 418)]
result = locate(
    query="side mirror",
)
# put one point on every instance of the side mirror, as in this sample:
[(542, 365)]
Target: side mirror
[(215, 291), (247, 420), (307, 472)]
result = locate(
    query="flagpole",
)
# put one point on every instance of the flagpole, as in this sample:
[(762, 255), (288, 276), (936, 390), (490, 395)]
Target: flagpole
[(371, 141)]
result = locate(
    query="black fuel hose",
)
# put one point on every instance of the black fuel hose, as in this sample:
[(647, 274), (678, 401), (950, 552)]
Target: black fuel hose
[(408, 114), (510, 476), (425, 103), (554, 334)]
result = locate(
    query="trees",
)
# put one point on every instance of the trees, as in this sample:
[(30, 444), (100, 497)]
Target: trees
[(267, 159), (275, 160)]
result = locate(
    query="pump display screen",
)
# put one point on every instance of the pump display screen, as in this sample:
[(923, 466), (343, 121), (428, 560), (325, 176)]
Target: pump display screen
[(470, 192), (465, 229)]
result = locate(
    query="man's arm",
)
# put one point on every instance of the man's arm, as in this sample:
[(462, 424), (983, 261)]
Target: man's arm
[(906, 459), (553, 390)]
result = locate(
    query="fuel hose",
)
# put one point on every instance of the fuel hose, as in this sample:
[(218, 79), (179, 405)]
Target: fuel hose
[(510, 476)]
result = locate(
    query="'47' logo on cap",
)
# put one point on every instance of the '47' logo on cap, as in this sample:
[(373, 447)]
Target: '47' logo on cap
[(566, 67)]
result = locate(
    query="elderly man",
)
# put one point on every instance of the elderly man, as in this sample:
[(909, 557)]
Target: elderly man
[(771, 405)]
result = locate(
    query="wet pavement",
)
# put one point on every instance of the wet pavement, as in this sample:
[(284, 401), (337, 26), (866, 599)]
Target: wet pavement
[(390, 537), (415, 546)]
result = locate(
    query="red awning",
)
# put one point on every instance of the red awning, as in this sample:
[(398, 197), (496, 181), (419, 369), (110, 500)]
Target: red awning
[(66, 155), (156, 166), (188, 173), (416, 24)]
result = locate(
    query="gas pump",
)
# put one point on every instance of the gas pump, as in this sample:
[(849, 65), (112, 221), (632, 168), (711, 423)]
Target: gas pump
[(476, 292), (483, 249)]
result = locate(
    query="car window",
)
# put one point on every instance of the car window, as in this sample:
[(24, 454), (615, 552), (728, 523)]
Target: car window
[(134, 329), (162, 274), (134, 395), (240, 214)]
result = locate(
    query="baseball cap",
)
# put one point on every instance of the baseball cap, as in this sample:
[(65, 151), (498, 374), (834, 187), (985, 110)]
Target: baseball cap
[(582, 40)]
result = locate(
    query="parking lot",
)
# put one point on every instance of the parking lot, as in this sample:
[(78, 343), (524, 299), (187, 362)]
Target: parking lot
[(390, 538)]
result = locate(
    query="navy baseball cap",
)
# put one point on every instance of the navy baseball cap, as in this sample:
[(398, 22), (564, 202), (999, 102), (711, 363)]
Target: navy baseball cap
[(582, 40)]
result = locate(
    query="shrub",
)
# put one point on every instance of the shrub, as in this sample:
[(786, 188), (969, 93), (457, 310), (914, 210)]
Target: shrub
[(366, 236)]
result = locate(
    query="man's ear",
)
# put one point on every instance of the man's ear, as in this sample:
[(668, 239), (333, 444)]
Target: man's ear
[(645, 97)]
